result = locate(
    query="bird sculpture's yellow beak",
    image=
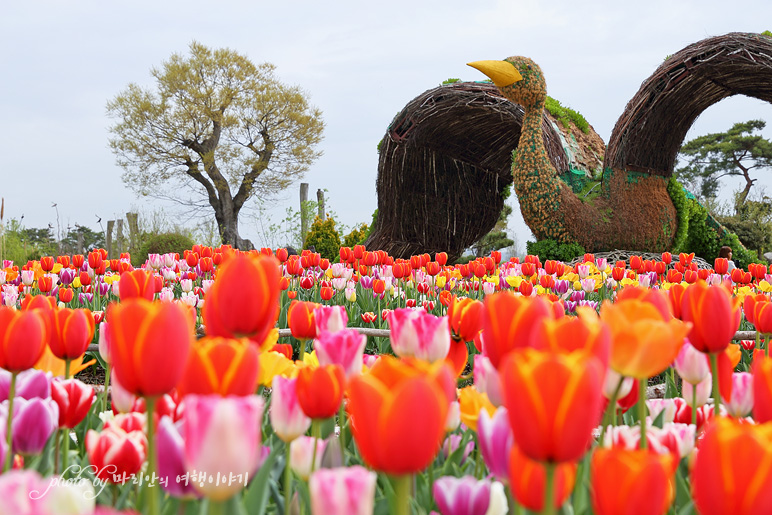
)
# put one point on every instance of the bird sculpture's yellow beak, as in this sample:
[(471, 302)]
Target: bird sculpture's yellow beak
[(502, 73)]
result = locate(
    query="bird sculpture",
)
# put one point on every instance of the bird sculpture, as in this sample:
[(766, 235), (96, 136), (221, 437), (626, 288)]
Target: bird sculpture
[(444, 165), (549, 206)]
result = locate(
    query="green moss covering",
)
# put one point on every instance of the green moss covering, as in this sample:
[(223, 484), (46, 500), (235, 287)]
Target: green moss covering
[(566, 115)]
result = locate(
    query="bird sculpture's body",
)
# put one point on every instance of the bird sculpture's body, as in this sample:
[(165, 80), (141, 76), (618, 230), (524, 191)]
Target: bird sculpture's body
[(631, 212)]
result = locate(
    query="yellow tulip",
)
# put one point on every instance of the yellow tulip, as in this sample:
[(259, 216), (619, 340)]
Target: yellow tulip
[(471, 402), (274, 364)]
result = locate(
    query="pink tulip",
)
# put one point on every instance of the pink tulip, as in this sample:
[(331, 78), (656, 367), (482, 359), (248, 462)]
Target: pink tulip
[(452, 443), (301, 452), (122, 399), (222, 440), (742, 395), (454, 417), (330, 318), (486, 379), (345, 347), (287, 417), (495, 438), (704, 389), (468, 496), (343, 491), (627, 437), (171, 459), (29, 384), (104, 340), (419, 334), (657, 406), (691, 364), (25, 492), (370, 359), (612, 382)]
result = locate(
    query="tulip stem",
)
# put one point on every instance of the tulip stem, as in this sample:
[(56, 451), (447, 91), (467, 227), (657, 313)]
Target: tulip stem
[(8, 426), (66, 368), (402, 489), (287, 481), (65, 451), (716, 392), (342, 438), (609, 417), (316, 431), (549, 489), (152, 459), (642, 411), (107, 385)]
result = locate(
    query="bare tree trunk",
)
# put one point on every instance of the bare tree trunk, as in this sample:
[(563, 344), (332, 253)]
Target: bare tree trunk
[(320, 204), (119, 236), (303, 215), (109, 239)]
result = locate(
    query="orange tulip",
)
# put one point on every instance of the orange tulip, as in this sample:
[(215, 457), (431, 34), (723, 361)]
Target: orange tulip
[(301, 320), (584, 332), (71, 332), (554, 401), (22, 338), (398, 414), (137, 283), (762, 317), (675, 295), (509, 321), (643, 344), (634, 482), (465, 318), (320, 390), (458, 356), (749, 305), (527, 480), (244, 299), (222, 366), (714, 314), (657, 298), (733, 469), (47, 263), (150, 343)]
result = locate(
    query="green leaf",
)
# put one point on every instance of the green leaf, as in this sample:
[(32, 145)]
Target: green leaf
[(257, 492)]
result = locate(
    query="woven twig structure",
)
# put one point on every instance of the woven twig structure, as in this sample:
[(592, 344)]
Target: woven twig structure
[(444, 162), (648, 135)]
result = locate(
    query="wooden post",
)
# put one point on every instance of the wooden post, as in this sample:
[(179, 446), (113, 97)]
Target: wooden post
[(303, 213), (133, 220), (109, 239), (119, 237), (320, 203)]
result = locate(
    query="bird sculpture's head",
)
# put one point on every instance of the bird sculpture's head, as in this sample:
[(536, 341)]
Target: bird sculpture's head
[(518, 78)]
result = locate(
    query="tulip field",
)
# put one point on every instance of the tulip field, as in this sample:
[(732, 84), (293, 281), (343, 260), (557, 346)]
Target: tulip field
[(229, 382)]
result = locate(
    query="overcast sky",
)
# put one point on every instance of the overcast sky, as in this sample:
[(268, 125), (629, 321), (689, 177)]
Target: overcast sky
[(360, 63)]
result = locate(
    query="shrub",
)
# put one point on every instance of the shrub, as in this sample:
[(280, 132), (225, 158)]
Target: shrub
[(356, 236), (678, 196), (551, 249), (324, 237), (162, 244)]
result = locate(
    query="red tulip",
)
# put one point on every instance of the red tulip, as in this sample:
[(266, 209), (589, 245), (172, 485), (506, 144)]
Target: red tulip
[(22, 338), (221, 366), (71, 332), (74, 399), (244, 300), (301, 320), (508, 322), (714, 314), (138, 283), (150, 343), (320, 390)]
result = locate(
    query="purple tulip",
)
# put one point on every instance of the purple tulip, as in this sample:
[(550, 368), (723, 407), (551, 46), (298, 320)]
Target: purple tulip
[(66, 276), (222, 441), (171, 460), (451, 444), (576, 296), (366, 282), (494, 435), (462, 496), (85, 298), (571, 306), (34, 421), (29, 384), (342, 491)]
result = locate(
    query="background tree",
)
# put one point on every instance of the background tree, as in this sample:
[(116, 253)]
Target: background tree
[(497, 238), (215, 130), (732, 153)]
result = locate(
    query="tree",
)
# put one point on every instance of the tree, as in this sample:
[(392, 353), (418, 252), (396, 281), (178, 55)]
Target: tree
[(732, 153), (497, 238), (215, 129)]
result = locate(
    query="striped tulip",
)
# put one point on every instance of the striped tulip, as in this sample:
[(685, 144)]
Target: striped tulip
[(222, 366)]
